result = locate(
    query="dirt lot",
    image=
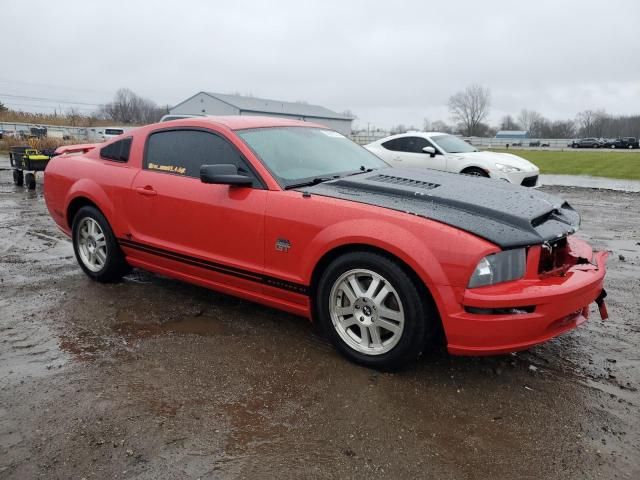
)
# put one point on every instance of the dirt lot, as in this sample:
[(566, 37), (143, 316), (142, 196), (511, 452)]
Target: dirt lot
[(151, 378)]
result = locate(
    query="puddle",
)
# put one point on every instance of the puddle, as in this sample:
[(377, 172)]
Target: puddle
[(202, 325)]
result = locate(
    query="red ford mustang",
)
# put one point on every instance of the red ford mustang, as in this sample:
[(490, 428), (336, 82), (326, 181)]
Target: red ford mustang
[(298, 217)]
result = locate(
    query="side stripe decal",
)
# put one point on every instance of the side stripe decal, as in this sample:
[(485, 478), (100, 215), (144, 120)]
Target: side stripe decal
[(216, 267)]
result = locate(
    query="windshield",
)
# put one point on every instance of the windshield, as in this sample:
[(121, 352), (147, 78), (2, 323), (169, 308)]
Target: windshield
[(452, 144), (298, 154)]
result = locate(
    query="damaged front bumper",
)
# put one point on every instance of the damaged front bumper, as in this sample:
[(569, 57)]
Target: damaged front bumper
[(517, 315)]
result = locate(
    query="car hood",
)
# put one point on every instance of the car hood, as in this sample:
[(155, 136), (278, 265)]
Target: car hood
[(508, 215), (498, 157)]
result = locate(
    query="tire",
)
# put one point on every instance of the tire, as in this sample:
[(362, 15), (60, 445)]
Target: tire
[(30, 181), (613, 146), (397, 323), (475, 172), (96, 248), (18, 177)]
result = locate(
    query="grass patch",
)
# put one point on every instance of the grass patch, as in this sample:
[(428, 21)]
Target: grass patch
[(598, 163)]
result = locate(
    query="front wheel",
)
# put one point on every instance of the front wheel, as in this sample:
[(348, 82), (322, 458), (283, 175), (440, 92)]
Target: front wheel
[(372, 311), (30, 181), (95, 246), (475, 172)]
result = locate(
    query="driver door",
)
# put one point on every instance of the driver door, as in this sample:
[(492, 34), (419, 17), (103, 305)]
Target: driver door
[(176, 222), (408, 152)]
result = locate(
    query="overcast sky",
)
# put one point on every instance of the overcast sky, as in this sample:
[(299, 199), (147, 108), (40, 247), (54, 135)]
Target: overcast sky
[(389, 62)]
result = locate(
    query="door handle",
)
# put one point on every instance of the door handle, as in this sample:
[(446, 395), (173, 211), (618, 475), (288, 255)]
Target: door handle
[(146, 190)]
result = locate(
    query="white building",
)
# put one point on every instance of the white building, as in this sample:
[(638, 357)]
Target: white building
[(207, 103)]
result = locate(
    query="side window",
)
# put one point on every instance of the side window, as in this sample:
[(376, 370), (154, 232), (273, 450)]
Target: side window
[(396, 145), (418, 143), (117, 151), (183, 152), (407, 144)]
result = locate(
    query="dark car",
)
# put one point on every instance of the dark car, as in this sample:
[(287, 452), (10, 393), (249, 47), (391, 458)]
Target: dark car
[(586, 143), (535, 143), (624, 142)]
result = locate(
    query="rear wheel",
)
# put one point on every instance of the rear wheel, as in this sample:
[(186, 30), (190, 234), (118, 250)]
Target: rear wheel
[(18, 177), (372, 311), (95, 246), (30, 181), (613, 146), (475, 172)]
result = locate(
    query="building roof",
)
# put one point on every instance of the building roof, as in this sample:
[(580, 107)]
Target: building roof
[(243, 122), (512, 133), (263, 105)]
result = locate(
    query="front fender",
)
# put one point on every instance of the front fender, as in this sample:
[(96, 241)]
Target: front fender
[(394, 239)]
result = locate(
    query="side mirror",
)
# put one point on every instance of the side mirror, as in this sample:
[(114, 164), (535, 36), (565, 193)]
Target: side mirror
[(430, 150), (224, 174)]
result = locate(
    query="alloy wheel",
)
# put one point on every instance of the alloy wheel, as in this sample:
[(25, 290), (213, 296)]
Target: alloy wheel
[(92, 245), (366, 311)]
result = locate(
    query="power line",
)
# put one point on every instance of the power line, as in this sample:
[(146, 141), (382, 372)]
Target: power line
[(50, 86), (28, 98), (51, 107)]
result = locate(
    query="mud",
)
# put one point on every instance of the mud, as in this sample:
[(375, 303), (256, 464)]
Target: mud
[(151, 378)]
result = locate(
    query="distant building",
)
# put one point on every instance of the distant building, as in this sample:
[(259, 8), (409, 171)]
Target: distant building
[(513, 134), (208, 103)]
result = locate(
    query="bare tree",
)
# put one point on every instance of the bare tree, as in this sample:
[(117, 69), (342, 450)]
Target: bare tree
[(585, 120), (470, 107), (600, 123), (440, 126), (130, 108), (528, 119), (561, 129), (508, 123)]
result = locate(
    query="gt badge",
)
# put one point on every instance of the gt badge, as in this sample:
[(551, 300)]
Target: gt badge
[(283, 245)]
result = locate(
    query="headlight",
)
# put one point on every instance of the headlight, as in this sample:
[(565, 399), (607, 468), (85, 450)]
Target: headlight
[(499, 267), (506, 168)]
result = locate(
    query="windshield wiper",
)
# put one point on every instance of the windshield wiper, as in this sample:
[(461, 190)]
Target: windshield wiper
[(363, 169), (313, 181)]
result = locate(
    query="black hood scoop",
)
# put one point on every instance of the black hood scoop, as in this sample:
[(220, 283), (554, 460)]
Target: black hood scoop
[(509, 216)]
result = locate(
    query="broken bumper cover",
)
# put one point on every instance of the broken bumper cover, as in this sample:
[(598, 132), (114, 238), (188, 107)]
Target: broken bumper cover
[(529, 311)]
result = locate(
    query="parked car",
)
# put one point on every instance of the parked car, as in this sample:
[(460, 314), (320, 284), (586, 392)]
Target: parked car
[(298, 217), (108, 133), (545, 144), (441, 151), (534, 143), (624, 142), (171, 116), (586, 143)]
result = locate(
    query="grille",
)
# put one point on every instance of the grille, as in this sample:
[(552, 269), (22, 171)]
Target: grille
[(405, 182), (530, 181)]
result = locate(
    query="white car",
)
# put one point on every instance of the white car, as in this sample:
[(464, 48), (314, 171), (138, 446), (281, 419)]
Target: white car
[(441, 151)]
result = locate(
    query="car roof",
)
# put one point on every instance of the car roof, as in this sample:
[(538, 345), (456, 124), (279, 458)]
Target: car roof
[(409, 134), (242, 122)]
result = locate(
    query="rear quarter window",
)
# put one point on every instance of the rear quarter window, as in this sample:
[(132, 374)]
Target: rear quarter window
[(117, 151)]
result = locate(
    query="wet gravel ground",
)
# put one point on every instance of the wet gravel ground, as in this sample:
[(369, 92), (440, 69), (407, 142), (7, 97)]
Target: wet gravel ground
[(151, 379)]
